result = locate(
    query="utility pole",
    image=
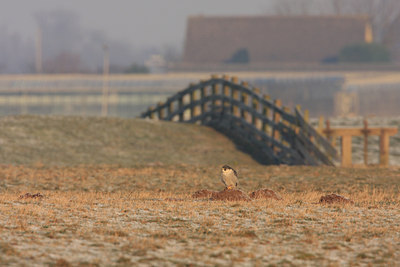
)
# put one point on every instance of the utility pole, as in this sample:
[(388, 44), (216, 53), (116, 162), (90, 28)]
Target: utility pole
[(106, 70), (38, 56)]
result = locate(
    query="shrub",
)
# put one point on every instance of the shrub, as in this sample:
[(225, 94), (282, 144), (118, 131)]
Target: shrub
[(364, 53), (240, 56), (135, 68)]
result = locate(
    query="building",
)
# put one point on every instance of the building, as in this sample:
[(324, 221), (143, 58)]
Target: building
[(272, 39)]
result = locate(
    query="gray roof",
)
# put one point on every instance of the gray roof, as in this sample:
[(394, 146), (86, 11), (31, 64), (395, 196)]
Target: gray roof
[(271, 38)]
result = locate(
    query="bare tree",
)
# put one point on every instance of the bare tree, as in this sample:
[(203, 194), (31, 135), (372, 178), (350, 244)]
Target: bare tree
[(298, 7)]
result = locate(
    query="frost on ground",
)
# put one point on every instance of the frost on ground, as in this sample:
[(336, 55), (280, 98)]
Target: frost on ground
[(112, 216)]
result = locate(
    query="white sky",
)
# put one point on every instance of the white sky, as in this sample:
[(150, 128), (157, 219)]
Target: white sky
[(140, 23)]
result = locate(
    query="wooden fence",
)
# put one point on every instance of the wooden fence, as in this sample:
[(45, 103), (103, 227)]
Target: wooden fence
[(270, 132), (346, 134)]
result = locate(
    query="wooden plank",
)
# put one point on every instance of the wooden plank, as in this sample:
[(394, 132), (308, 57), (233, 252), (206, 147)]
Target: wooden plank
[(359, 131)]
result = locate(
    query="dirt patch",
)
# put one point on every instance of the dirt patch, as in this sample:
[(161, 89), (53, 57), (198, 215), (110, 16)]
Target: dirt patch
[(265, 193), (29, 195), (204, 193), (334, 198), (230, 195)]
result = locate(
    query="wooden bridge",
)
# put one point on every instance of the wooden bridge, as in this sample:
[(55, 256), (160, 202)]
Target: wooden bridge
[(269, 132)]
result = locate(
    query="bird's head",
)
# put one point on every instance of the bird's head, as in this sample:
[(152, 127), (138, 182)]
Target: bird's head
[(227, 169)]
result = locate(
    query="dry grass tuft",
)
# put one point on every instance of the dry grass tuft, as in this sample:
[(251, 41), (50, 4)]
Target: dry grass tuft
[(335, 198)]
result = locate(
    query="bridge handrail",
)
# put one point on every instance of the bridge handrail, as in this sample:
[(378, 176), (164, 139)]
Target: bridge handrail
[(280, 130)]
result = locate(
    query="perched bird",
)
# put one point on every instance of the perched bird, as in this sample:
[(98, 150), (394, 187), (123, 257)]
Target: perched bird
[(229, 177)]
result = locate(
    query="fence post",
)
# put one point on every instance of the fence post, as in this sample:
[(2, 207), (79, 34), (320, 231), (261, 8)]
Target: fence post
[(320, 128), (365, 131), (384, 148), (346, 151)]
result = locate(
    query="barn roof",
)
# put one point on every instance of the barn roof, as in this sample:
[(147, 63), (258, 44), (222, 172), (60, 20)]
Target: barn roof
[(213, 39)]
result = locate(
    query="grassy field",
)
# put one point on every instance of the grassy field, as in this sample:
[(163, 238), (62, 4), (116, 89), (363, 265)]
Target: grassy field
[(118, 193)]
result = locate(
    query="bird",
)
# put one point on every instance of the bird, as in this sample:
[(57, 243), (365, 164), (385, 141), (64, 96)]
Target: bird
[(229, 177)]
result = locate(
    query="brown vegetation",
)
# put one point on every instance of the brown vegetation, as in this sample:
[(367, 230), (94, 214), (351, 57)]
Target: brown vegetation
[(110, 215), (265, 193), (142, 213)]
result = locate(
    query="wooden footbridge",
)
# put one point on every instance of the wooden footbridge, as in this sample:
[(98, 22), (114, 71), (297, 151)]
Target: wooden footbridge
[(269, 132)]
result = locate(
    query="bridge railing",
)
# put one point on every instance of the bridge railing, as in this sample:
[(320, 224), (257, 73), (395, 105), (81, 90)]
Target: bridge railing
[(233, 107)]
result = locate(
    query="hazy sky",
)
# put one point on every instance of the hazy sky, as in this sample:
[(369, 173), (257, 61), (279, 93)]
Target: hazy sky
[(139, 23)]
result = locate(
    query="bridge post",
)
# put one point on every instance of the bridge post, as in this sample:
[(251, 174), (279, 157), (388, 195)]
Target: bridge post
[(365, 132), (152, 114), (214, 92), (265, 113), (226, 92), (192, 98), (384, 148), (285, 122), (255, 107), (203, 94), (276, 118), (160, 111), (245, 101), (170, 109), (180, 106), (235, 95), (306, 116)]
